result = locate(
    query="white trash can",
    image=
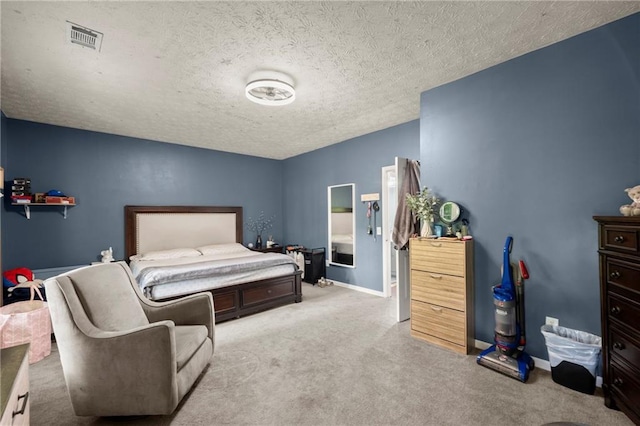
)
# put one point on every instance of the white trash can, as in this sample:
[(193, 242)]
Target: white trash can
[(573, 356)]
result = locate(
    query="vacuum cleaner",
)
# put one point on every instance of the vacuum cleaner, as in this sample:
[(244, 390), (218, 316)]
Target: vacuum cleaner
[(507, 355)]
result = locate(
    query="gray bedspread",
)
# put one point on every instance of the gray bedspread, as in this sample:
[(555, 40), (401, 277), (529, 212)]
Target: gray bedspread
[(154, 275)]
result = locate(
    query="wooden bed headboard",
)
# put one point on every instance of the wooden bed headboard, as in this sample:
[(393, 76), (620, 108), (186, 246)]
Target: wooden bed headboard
[(150, 228)]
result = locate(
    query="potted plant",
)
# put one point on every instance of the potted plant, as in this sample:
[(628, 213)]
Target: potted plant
[(423, 205), (260, 225)]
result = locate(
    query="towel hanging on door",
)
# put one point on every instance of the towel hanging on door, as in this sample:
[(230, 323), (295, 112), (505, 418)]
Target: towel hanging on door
[(406, 223)]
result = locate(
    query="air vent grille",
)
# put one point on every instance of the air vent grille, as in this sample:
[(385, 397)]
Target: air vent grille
[(83, 36)]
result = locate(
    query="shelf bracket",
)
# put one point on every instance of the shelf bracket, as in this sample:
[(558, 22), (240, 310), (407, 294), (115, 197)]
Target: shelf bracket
[(27, 211)]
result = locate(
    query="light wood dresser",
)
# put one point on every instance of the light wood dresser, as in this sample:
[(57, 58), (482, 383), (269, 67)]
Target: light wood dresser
[(14, 385), (442, 292), (619, 249)]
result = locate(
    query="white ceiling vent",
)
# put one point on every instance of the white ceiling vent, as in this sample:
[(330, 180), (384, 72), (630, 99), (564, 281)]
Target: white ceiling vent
[(86, 37)]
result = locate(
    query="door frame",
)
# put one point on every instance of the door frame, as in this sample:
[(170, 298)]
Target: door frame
[(386, 233)]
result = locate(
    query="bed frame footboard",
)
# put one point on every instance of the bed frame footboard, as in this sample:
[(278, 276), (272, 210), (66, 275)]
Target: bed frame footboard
[(245, 299), (248, 298)]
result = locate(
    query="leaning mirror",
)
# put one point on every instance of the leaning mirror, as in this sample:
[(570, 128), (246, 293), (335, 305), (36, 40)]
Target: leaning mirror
[(342, 225), (449, 214)]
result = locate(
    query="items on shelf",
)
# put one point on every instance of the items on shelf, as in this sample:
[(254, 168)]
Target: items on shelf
[(21, 194), (57, 197), (21, 190), (54, 197)]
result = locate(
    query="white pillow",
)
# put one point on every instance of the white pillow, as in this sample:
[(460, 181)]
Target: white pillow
[(220, 249), (170, 254)]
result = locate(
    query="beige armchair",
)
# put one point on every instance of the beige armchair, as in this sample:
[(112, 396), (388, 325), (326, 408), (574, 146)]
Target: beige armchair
[(122, 354)]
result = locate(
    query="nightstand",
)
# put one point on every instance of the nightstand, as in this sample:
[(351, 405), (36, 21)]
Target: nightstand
[(276, 249)]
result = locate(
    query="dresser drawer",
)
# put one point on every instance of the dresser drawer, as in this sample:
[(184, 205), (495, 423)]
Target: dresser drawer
[(624, 346), (260, 294), (623, 312), (225, 302), (625, 387), (437, 321), (446, 257), (14, 385), (622, 274), (619, 238), (439, 289)]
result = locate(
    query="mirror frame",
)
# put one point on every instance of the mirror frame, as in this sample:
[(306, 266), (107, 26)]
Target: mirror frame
[(329, 253), (455, 210)]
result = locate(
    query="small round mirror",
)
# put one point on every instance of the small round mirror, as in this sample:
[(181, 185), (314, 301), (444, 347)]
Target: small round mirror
[(449, 212)]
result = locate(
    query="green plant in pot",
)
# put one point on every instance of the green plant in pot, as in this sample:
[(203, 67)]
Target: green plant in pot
[(260, 225), (424, 205)]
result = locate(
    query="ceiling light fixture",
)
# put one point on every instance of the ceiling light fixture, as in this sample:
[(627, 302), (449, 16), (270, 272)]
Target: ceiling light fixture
[(270, 88)]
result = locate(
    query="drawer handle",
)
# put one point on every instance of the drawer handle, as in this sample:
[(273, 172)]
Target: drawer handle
[(436, 308), (269, 291), (437, 277), (619, 239), (24, 405), (436, 244), (615, 275), (618, 345), (615, 310), (618, 381)]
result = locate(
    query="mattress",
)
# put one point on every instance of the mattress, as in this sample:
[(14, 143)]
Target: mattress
[(343, 243), (164, 278)]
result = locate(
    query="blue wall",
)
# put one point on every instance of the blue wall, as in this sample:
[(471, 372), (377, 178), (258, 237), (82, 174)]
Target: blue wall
[(105, 173), (359, 160), (535, 147)]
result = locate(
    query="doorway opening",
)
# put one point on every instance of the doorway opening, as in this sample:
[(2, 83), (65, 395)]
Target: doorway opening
[(389, 254), (395, 263)]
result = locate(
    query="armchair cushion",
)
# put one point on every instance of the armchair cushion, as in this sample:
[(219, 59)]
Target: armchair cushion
[(188, 339), (188, 310)]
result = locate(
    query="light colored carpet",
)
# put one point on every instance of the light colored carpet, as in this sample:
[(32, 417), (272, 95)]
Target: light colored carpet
[(339, 358)]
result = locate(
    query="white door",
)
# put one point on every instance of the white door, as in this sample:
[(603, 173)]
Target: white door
[(389, 254), (403, 273)]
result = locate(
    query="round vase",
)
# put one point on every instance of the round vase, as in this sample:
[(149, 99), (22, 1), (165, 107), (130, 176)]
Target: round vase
[(427, 228)]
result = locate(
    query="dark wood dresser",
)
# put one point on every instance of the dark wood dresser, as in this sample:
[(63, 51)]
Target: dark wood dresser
[(619, 249)]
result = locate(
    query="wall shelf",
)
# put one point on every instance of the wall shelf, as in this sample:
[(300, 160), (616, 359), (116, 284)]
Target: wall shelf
[(27, 207)]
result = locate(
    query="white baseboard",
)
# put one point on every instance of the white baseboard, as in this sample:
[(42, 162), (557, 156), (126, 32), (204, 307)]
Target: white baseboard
[(357, 288), (540, 363)]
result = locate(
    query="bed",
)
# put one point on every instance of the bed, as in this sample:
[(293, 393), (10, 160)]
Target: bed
[(179, 250)]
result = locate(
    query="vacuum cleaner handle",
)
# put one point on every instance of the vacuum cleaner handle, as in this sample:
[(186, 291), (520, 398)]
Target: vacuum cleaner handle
[(507, 278), (524, 275)]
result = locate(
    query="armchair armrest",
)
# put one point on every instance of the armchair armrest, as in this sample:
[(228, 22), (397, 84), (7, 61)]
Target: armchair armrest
[(127, 365), (195, 309)]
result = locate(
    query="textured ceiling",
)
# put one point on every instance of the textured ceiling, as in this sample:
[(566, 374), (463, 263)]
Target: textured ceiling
[(176, 71)]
